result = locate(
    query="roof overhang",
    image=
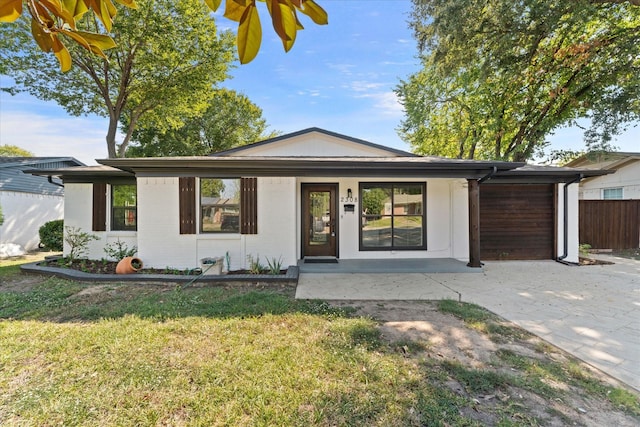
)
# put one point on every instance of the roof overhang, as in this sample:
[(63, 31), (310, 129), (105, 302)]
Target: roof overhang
[(221, 167), (546, 175), (82, 174)]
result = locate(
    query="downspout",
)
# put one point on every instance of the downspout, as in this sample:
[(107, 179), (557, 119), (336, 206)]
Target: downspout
[(488, 176), (565, 193), (50, 179)]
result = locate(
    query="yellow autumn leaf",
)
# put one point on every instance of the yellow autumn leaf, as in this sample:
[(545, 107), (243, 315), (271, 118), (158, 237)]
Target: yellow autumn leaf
[(93, 42), (43, 39), (315, 12), (61, 52), (277, 19), (213, 4), (235, 10), (287, 21), (249, 34), (77, 8), (101, 41), (10, 10), (55, 8)]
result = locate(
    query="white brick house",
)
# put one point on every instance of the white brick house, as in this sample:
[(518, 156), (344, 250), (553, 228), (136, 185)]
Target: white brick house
[(315, 193)]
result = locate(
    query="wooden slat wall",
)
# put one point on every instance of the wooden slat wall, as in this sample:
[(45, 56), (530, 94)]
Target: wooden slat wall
[(187, 201), (610, 224), (99, 214), (249, 205), (517, 221)]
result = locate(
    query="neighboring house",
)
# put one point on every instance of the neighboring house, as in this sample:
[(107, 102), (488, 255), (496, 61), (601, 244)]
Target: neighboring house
[(315, 193), (29, 201), (610, 204), (622, 185)]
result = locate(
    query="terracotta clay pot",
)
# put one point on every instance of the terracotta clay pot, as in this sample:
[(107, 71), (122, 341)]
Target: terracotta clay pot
[(126, 265)]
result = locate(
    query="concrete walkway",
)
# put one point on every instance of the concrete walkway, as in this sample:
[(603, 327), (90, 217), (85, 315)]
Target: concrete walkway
[(592, 312)]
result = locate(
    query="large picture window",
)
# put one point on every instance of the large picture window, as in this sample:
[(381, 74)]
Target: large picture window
[(392, 216), (124, 207), (219, 205)]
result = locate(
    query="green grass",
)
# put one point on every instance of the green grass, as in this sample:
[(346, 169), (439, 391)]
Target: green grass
[(116, 354), (141, 355)]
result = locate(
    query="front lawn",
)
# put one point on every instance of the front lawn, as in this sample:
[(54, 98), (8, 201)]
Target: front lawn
[(74, 354), (144, 355)]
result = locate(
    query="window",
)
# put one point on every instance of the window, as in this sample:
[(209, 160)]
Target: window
[(612, 193), (219, 205), (393, 216), (124, 211)]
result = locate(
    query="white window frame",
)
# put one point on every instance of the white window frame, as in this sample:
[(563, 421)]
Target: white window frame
[(616, 189)]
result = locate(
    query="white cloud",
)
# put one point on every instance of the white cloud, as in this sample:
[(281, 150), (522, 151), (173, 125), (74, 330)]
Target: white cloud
[(79, 137), (342, 68), (386, 102), (365, 86)]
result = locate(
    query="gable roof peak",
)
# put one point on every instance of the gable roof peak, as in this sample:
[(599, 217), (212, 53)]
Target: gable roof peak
[(237, 150)]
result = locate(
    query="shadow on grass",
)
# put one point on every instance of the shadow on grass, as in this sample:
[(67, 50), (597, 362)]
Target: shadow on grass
[(59, 300)]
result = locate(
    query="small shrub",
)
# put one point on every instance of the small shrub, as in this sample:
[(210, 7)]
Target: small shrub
[(118, 250), (275, 265), (78, 241), (583, 248), (254, 264), (51, 235)]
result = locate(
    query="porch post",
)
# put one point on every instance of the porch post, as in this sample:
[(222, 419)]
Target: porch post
[(474, 223)]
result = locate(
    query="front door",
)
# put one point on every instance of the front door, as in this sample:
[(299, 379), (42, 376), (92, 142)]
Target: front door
[(319, 230)]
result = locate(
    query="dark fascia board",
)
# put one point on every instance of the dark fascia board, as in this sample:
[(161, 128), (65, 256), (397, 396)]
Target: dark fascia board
[(87, 174), (311, 130), (417, 167), (545, 174)]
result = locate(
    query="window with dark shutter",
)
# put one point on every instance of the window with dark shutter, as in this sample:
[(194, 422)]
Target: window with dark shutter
[(187, 202), (249, 205), (99, 220)]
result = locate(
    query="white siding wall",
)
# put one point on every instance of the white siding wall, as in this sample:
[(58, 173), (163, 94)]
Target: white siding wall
[(160, 243), (78, 214), (572, 247), (314, 144), (24, 214), (279, 205), (277, 229), (627, 177)]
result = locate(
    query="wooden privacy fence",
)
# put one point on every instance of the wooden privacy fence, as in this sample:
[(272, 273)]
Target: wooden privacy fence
[(610, 224)]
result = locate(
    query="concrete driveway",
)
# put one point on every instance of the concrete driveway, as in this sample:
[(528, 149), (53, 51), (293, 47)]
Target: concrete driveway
[(592, 312)]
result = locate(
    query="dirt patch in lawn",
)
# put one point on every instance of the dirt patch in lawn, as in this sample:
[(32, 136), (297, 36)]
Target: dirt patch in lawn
[(548, 386)]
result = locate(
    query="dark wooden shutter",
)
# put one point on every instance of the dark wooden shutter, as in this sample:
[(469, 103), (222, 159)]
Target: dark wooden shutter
[(187, 202), (249, 205), (99, 219)]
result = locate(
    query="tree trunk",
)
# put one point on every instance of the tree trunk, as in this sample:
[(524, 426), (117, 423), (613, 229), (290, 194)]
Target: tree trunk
[(111, 137)]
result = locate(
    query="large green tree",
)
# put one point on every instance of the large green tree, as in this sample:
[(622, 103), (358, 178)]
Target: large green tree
[(498, 77), (14, 151), (164, 69), (231, 120)]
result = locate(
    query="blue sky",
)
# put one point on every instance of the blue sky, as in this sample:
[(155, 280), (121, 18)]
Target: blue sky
[(339, 77)]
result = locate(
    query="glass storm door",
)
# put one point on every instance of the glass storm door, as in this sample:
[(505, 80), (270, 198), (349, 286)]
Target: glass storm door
[(319, 231)]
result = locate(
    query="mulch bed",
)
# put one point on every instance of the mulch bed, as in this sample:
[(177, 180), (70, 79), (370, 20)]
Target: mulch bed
[(109, 267), (591, 261)]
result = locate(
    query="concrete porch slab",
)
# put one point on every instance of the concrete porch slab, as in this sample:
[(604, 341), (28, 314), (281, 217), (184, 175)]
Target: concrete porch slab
[(389, 266)]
